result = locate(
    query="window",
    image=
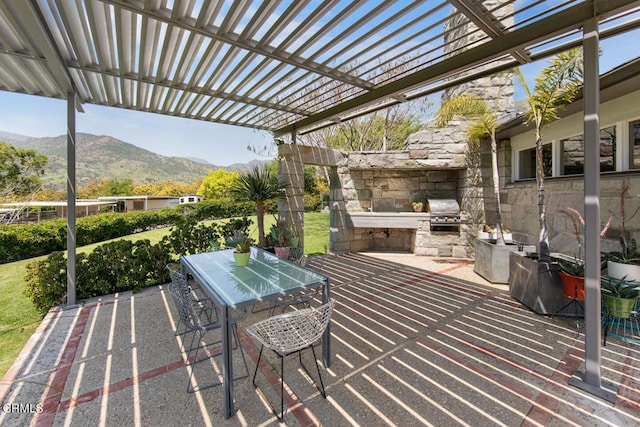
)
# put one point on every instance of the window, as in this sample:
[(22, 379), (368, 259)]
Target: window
[(528, 162), (573, 152), (634, 144)]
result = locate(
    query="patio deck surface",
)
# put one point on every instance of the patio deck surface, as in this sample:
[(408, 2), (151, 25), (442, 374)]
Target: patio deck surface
[(415, 341)]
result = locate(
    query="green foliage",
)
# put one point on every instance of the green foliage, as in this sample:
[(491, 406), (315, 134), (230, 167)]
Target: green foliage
[(244, 245), (118, 187), (47, 281), (257, 185), (30, 240), (116, 266), (619, 288), (573, 268), (312, 202), (630, 253), (20, 170), (374, 132), (188, 236), (235, 227), (217, 184), (557, 85)]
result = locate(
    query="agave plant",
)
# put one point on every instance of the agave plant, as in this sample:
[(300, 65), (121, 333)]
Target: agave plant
[(244, 245), (619, 288)]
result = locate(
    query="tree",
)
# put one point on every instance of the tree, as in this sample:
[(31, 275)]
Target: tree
[(20, 170), (485, 124), (256, 185), (118, 187), (217, 184), (556, 86)]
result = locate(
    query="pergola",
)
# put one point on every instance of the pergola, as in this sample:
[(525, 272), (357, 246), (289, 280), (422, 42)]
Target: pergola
[(292, 66)]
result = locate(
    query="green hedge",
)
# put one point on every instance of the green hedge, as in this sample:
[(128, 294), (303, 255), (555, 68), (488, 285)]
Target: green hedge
[(31, 240), (117, 266), (113, 267)]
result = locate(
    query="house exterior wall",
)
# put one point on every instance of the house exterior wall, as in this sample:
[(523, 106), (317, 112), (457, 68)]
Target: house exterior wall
[(519, 198)]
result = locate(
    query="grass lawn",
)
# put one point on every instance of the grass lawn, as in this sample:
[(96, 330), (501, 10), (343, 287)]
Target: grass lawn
[(19, 319)]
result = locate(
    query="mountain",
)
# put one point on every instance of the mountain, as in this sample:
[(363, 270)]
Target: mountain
[(105, 157)]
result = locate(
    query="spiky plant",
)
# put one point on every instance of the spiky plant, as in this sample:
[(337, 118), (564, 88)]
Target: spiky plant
[(255, 185)]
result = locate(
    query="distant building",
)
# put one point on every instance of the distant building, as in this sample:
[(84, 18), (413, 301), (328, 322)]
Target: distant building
[(141, 203), (43, 210), (190, 198)]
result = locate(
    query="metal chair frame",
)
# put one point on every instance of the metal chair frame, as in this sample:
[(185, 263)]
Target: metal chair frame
[(290, 333), (190, 311)]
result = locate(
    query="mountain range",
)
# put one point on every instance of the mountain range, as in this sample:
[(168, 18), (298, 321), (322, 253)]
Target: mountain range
[(101, 157)]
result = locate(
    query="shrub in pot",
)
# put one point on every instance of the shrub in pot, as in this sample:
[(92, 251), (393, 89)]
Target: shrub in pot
[(242, 252)]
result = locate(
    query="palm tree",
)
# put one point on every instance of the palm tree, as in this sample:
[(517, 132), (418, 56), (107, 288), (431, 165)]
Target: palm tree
[(556, 86), (256, 185), (485, 124)]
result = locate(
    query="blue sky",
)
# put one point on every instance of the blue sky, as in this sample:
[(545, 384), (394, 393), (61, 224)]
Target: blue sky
[(221, 145)]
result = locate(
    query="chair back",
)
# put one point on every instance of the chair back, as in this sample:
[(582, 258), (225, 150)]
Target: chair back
[(187, 307), (295, 255), (178, 280), (293, 331)]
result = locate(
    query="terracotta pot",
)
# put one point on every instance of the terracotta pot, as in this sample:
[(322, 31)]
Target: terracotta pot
[(572, 286), (282, 251)]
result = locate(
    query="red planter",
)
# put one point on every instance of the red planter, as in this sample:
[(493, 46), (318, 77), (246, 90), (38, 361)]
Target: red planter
[(572, 286)]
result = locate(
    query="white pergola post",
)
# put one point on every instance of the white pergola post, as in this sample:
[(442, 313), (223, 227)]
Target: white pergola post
[(591, 380), (71, 199)]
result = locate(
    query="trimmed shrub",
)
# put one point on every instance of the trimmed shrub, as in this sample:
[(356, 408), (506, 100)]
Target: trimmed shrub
[(30, 240), (113, 267)]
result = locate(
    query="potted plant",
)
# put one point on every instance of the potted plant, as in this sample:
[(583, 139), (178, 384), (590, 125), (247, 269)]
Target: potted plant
[(572, 276), (626, 262), (242, 252), (572, 271), (280, 235), (619, 296), (417, 206)]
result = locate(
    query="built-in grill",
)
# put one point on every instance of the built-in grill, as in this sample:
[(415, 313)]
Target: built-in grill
[(445, 214)]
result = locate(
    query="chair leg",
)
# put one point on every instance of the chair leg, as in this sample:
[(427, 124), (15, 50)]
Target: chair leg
[(315, 359), (234, 329), (281, 417), (257, 366)]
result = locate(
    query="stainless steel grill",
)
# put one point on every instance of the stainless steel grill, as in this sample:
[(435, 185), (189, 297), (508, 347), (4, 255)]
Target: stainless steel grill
[(445, 214)]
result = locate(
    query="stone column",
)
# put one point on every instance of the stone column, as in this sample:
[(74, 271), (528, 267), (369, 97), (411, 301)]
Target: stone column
[(291, 179), (340, 235)]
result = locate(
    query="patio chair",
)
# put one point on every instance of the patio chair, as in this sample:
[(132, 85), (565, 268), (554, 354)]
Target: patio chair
[(303, 299), (189, 311), (299, 299), (289, 333), (179, 282)]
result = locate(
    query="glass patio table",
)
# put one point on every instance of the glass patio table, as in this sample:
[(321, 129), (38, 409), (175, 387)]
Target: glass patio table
[(267, 277)]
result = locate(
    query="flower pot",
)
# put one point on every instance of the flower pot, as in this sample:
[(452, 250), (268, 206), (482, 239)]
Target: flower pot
[(294, 241), (618, 307), (282, 251), (618, 270), (572, 286), (242, 259)]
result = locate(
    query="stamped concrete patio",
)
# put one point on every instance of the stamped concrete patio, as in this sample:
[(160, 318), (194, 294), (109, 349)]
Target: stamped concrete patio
[(416, 341)]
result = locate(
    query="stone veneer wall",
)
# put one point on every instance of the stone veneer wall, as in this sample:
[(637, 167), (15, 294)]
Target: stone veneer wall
[(520, 210)]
